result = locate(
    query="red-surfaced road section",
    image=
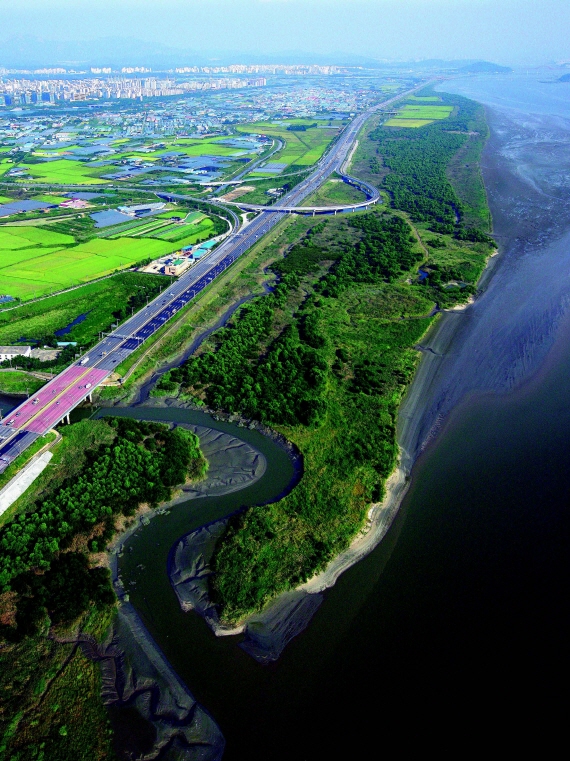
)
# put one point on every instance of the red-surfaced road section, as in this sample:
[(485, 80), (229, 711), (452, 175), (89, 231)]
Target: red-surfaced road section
[(57, 398)]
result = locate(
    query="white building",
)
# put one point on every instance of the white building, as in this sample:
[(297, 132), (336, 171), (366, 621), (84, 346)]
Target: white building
[(9, 352)]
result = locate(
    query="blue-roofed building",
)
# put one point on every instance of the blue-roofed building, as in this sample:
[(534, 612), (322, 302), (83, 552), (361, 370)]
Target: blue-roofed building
[(110, 217)]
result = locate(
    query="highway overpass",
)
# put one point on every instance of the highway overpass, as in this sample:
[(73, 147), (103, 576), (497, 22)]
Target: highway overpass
[(372, 197)]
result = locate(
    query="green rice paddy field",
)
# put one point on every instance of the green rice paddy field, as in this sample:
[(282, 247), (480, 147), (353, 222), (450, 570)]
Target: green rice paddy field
[(66, 172), (301, 148), (425, 98), (412, 115), (35, 261), (5, 164)]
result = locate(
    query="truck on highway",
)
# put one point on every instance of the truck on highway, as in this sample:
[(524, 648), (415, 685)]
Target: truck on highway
[(84, 361)]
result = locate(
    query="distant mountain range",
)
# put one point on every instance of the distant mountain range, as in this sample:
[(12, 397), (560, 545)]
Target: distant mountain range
[(484, 67), (33, 53)]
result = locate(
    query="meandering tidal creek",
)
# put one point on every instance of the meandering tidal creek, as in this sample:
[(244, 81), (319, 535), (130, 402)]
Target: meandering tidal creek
[(459, 614)]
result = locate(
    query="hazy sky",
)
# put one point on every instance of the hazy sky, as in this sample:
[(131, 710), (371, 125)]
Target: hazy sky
[(500, 30)]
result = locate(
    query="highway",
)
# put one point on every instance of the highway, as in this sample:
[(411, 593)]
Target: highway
[(54, 401)]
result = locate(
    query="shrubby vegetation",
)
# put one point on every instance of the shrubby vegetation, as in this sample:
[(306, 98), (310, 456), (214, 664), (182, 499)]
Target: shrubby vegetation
[(141, 464), (285, 382), (418, 163), (325, 359), (329, 373), (384, 252)]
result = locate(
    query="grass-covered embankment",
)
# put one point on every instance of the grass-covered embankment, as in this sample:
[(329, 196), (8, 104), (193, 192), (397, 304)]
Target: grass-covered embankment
[(326, 359), (14, 382)]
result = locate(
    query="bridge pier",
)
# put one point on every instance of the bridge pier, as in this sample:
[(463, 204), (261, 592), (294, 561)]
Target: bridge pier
[(68, 419)]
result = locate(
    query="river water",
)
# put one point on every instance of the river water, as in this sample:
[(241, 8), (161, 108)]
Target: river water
[(457, 622)]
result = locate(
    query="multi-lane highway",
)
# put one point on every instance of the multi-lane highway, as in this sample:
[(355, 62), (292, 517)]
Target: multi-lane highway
[(38, 414)]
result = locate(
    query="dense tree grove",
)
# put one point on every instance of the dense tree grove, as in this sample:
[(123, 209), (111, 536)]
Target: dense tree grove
[(141, 465), (285, 383), (384, 252), (64, 591), (417, 160)]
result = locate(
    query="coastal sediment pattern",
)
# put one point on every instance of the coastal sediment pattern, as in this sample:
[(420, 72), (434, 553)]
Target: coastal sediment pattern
[(232, 464), (506, 335), (135, 674)]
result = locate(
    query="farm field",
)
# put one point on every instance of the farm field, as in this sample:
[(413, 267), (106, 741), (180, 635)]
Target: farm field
[(36, 261), (180, 214), (197, 227), (30, 269), (301, 148), (50, 198), (419, 115), (201, 149), (12, 238), (64, 172), (398, 122), (174, 233), (99, 302), (425, 98), (425, 112), (188, 147)]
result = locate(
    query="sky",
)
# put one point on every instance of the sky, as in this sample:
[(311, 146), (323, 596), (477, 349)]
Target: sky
[(505, 31)]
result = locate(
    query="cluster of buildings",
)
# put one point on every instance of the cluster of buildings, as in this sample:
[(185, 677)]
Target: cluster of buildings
[(177, 263), (20, 92), (288, 70), (223, 83), (88, 131), (23, 92)]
